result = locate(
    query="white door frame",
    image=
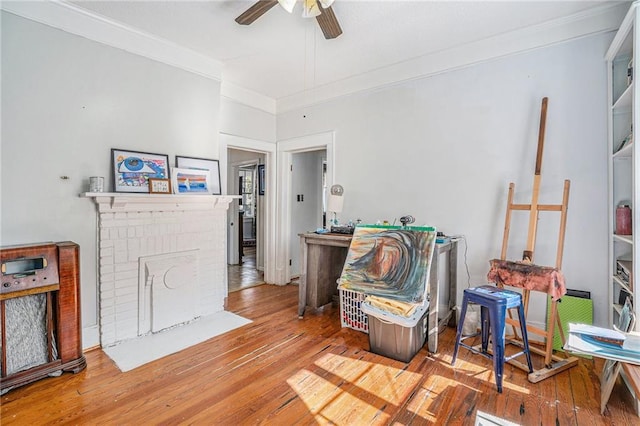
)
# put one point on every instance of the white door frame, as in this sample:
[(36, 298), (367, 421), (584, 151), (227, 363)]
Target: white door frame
[(269, 150), (286, 148)]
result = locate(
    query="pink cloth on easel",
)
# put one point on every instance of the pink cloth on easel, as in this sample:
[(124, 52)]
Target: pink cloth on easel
[(528, 276)]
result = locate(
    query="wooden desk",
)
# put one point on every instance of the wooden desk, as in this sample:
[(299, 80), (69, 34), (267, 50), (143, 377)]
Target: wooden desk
[(322, 259)]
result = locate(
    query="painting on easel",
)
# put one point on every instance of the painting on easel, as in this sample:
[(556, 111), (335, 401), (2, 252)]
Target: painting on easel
[(389, 261)]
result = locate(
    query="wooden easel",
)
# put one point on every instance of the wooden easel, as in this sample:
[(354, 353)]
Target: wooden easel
[(553, 363)]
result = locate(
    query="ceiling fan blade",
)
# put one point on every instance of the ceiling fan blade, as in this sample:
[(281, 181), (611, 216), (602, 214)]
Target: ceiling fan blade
[(329, 24), (254, 12)]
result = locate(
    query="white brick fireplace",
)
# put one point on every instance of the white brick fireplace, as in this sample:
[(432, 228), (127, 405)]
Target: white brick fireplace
[(162, 261)]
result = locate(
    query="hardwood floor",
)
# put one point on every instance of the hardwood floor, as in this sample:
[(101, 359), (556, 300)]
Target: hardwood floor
[(281, 370)]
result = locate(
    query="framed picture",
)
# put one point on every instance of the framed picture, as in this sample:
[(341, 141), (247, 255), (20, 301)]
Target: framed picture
[(212, 166), (190, 181), (132, 169), (261, 179), (159, 186)]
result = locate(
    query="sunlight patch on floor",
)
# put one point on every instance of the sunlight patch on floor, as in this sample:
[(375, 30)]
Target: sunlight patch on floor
[(433, 386), (342, 390)]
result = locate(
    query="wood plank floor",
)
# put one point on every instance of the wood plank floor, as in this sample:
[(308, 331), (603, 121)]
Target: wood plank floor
[(281, 370), (245, 275)]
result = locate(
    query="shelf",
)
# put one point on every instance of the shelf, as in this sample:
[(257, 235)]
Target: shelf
[(622, 284), (118, 201), (626, 152), (623, 238), (623, 103), (623, 183), (618, 308)]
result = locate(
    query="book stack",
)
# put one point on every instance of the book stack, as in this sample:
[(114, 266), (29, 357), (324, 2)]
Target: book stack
[(623, 271), (603, 343)]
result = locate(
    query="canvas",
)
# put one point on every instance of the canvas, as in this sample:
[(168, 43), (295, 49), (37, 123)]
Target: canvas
[(389, 261)]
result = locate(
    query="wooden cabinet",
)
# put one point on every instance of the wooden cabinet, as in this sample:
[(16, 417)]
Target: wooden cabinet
[(39, 312), (624, 118)]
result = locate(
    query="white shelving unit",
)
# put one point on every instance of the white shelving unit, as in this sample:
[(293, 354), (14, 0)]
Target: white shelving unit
[(623, 64), (624, 118)]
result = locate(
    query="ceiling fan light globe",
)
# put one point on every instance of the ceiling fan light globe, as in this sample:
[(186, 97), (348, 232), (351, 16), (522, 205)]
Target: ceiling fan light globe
[(287, 5), (310, 9)]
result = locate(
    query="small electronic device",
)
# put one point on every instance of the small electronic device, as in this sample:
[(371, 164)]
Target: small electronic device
[(345, 229)]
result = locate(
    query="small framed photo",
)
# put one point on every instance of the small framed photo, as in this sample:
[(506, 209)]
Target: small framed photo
[(261, 181), (190, 181), (133, 169), (159, 186), (211, 166)]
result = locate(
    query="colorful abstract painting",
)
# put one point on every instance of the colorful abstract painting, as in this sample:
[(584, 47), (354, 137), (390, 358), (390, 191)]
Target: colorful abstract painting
[(389, 261), (132, 170)]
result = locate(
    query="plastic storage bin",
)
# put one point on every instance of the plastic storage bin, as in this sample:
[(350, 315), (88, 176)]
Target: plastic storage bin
[(394, 336), (350, 314)]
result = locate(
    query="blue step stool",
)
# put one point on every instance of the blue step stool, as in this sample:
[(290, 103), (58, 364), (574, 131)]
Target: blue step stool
[(494, 302)]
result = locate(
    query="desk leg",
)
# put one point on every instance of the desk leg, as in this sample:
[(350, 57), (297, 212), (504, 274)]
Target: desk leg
[(302, 287), (434, 294), (453, 281)]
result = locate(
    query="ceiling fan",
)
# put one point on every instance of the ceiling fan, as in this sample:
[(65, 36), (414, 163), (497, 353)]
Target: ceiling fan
[(319, 9)]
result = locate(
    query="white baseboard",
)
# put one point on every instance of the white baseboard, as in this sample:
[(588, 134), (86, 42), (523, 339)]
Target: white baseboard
[(90, 337)]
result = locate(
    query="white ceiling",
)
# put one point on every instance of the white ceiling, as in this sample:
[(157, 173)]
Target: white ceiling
[(283, 55)]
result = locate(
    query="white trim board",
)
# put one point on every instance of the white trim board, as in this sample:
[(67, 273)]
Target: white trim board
[(74, 20), (594, 21)]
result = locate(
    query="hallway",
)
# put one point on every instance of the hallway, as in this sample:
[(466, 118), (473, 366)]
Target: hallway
[(245, 275)]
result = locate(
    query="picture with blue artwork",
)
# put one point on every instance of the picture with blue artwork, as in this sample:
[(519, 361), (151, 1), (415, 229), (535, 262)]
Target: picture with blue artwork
[(191, 181), (132, 170)]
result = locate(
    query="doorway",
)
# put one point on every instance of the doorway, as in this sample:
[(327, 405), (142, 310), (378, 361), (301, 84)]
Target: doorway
[(266, 226), (246, 266), (248, 211), (288, 242), (307, 199), (277, 227)]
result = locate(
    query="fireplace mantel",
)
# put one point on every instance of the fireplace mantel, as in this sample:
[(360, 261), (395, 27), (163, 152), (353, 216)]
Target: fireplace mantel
[(117, 201)]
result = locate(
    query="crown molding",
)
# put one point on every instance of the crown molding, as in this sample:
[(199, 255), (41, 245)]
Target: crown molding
[(69, 18), (247, 97), (594, 21)]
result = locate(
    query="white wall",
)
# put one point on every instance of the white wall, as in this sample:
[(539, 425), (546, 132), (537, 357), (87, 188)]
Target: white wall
[(445, 148), (66, 101), (242, 120)]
